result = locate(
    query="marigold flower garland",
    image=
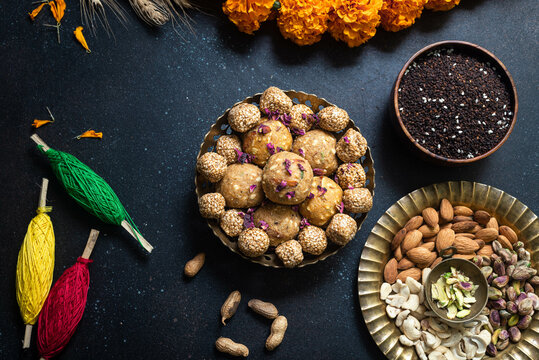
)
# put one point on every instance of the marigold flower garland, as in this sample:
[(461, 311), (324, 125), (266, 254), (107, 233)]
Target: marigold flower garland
[(351, 21)]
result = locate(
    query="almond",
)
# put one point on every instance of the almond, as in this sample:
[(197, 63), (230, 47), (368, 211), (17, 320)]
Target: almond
[(482, 217), (429, 246), (463, 226), (429, 239), (487, 234), (480, 242), (446, 226), (509, 233), (505, 242), (485, 251), (421, 257), (430, 216), (444, 239), (463, 210), (436, 262), (476, 228), (414, 223), (460, 218), (414, 273), (492, 223), (390, 271), (465, 245), (398, 253), (446, 210), (464, 256), (397, 239), (404, 264), (411, 240), (428, 231), (468, 235)]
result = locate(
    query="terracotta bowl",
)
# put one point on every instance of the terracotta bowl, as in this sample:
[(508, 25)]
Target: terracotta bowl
[(221, 127), (470, 49)]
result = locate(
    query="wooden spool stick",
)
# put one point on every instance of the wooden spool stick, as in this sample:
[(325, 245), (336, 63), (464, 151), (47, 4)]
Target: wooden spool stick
[(135, 234), (90, 244), (27, 336), (40, 141), (43, 195)]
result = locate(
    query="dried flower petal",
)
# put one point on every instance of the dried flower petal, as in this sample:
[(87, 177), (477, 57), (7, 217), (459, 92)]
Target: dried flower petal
[(263, 225), (321, 190), (91, 134), (38, 123), (252, 188), (244, 158), (296, 131), (80, 37), (279, 149), (300, 166), (340, 207), (301, 152), (281, 186), (346, 139), (36, 11), (319, 172), (271, 148), (310, 196), (303, 223), (350, 187), (248, 221), (58, 9), (287, 165), (290, 194)]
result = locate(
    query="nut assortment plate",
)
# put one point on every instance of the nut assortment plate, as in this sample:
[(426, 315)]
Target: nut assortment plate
[(221, 127), (507, 209)]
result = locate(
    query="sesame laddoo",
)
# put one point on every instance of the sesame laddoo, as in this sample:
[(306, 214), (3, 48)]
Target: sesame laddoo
[(212, 166), (211, 205), (241, 186), (323, 201), (351, 176), (358, 200), (318, 147), (287, 178), (253, 242), (232, 222), (333, 118), (226, 147), (352, 146), (243, 116), (280, 222), (313, 240), (301, 119), (290, 253), (341, 229), (266, 139), (274, 99)]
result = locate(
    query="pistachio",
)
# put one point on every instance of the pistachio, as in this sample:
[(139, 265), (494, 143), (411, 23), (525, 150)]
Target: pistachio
[(511, 307), (505, 255), (496, 246), (523, 254), (494, 294), (495, 335), (500, 281), (509, 270), (491, 350), (528, 288), (521, 297), (504, 335), (490, 278), (535, 300), (494, 318), (514, 333), (534, 280), (525, 307), (486, 270), (497, 304), (502, 345), (486, 260), (514, 259), (513, 320), (516, 286), (518, 245), (525, 263), (510, 293), (498, 267), (524, 322)]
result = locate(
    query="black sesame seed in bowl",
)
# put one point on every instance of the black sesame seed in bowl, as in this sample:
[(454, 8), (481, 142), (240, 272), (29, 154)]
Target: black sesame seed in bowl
[(455, 102)]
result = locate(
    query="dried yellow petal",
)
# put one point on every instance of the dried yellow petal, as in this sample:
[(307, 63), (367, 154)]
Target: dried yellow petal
[(36, 11), (38, 123), (80, 37), (58, 9), (91, 134)]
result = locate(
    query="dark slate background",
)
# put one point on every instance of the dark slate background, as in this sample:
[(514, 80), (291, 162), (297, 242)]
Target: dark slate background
[(154, 96)]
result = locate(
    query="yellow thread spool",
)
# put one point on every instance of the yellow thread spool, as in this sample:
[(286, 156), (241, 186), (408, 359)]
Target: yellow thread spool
[(35, 265)]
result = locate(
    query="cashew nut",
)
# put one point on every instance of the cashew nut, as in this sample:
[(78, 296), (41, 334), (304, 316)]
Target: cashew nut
[(412, 303), (400, 318), (438, 326), (470, 348), (453, 340), (424, 274), (410, 328), (431, 341), (395, 300), (421, 295), (413, 285), (420, 350), (397, 286), (392, 312), (436, 355), (405, 341), (385, 290)]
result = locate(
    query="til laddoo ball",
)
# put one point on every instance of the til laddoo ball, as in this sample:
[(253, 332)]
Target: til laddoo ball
[(274, 99), (351, 176), (226, 147), (313, 240), (323, 201), (341, 229), (301, 119), (290, 253), (351, 146), (241, 186), (253, 242), (232, 222), (280, 222), (212, 166), (243, 116), (266, 139), (318, 147), (333, 118), (358, 200), (211, 205), (287, 178)]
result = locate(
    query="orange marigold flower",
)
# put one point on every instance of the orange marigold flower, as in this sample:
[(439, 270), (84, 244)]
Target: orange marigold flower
[(441, 5), (248, 14), (400, 14), (91, 134), (354, 21), (303, 21)]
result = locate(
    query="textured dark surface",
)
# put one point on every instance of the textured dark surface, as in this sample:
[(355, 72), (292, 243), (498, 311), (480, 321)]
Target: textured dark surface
[(154, 97)]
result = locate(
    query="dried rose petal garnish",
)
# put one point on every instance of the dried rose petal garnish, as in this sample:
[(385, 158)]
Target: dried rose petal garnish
[(263, 225), (341, 207), (287, 165), (303, 223), (321, 190), (244, 158), (301, 152), (319, 172), (252, 188), (346, 140), (296, 131), (290, 194), (271, 148), (310, 196), (247, 219), (281, 186)]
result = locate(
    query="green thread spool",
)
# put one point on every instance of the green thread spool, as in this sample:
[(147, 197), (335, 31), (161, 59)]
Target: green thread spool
[(90, 190)]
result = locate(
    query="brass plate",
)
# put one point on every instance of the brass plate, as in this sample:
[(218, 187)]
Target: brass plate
[(507, 209), (202, 186)]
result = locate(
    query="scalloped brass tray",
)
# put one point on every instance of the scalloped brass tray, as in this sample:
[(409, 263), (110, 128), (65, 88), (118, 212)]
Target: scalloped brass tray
[(507, 209), (220, 127)]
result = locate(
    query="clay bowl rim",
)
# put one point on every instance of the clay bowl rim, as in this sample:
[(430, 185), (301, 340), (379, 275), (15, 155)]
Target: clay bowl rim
[(473, 277), (455, 44)]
